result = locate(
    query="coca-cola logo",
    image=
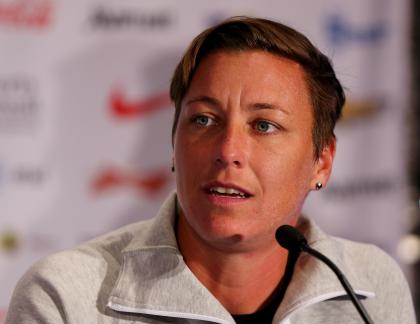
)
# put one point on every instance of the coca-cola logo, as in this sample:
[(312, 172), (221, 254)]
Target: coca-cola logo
[(26, 13)]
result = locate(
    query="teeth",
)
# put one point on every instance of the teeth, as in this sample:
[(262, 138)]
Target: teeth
[(229, 191)]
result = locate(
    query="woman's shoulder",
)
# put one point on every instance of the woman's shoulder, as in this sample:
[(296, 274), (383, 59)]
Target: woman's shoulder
[(364, 262), (86, 264), (80, 278), (367, 256)]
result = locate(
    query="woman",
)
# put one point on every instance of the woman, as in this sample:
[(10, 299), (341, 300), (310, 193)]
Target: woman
[(256, 105)]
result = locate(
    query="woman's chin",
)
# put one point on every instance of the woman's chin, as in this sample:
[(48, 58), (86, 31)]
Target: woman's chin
[(229, 235)]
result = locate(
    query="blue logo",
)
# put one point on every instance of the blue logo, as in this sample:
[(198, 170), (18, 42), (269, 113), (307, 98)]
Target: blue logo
[(342, 32)]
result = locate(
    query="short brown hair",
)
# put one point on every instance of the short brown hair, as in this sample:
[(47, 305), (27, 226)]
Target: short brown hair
[(245, 33)]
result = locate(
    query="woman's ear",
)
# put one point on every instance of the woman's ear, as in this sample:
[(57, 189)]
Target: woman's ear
[(323, 166)]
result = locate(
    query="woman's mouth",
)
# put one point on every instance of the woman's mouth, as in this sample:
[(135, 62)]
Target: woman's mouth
[(228, 192)]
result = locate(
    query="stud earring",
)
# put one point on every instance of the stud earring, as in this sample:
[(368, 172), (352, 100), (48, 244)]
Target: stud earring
[(318, 186)]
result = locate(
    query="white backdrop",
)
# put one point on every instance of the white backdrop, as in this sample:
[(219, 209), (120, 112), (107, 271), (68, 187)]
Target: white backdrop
[(85, 118)]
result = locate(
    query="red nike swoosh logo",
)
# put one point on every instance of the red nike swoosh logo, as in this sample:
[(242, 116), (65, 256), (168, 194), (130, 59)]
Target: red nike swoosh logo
[(123, 108), (110, 178)]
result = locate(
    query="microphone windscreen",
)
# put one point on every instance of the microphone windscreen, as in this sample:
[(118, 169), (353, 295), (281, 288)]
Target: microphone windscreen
[(290, 238)]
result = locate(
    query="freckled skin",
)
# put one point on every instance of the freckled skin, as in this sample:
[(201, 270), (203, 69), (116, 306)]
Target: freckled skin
[(232, 138)]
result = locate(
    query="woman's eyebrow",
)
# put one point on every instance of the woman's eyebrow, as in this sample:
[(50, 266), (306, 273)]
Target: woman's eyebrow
[(266, 105), (205, 99), (254, 106)]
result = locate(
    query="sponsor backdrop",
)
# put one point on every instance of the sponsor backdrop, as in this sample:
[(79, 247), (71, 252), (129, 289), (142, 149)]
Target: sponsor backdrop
[(85, 117)]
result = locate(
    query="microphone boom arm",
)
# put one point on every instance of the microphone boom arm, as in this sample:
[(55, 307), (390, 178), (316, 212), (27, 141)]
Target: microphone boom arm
[(344, 282)]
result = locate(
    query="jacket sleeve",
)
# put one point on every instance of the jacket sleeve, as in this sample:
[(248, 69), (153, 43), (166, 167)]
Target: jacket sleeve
[(394, 303), (403, 296), (35, 300), (67, 287)]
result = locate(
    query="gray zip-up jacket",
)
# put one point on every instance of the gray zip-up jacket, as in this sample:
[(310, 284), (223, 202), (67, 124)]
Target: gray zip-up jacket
[(137, 275)]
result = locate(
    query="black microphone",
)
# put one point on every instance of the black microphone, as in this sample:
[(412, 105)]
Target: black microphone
[(294, 241)]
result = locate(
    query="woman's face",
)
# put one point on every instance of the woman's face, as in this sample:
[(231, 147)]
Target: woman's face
[(243, 149)]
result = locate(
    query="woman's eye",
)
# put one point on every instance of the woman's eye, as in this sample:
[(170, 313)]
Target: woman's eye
[(202, 120), (263, 126)]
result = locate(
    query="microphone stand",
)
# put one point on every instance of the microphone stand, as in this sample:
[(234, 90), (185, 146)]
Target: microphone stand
[(294, 241), (344, 282)]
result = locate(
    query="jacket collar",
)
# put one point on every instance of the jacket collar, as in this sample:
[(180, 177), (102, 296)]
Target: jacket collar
[(154, 278), (313, 281)]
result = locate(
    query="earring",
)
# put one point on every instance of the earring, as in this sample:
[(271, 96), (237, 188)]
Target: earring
[(318, 186), (173, 168)]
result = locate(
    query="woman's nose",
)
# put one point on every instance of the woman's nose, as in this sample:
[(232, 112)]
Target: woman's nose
[(231, 147)]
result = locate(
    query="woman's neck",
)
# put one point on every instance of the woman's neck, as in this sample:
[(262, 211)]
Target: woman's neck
[(242, 281)]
